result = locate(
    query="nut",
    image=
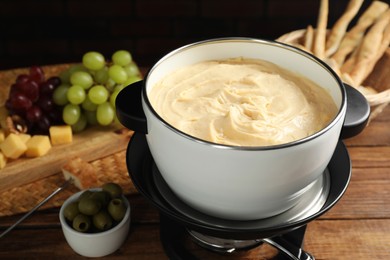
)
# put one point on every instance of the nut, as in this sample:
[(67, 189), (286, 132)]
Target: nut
[(16, 124)]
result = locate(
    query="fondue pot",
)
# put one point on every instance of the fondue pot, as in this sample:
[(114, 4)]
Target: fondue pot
[(239, 182)]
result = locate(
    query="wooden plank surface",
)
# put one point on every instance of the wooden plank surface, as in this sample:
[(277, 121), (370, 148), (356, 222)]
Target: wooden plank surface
[(367, 196), (349, 239)]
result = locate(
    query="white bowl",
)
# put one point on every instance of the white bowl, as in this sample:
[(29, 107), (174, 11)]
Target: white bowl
[(232, 182), (96, 244)]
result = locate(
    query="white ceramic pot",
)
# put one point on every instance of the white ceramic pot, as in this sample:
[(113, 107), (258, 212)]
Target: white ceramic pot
[(230, 182)]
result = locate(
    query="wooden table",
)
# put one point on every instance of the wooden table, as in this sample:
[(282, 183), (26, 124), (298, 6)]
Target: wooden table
[(357, 227)]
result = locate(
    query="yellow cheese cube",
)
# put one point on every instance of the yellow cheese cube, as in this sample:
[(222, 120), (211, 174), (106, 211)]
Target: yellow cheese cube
[(25, 137), (12, 146), (38, 145), (2, 135), (3, 160), (61, 134)]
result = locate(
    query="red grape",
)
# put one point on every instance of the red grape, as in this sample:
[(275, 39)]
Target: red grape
[(22, 78), (8, 104), (30, 97), (46, 88), (20, 101), (15, 88), (43, 125), (37, 74), (56, 81), (45, 103), (34, 114), (55, 115), (30, 89), (11, 109)]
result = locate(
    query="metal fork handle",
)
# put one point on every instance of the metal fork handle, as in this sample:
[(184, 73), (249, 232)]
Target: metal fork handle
[(286, 248), (63, 186)]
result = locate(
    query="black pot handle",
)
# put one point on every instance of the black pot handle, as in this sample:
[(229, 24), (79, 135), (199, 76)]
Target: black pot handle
[(358, 112), (130, 112), (129, 108)]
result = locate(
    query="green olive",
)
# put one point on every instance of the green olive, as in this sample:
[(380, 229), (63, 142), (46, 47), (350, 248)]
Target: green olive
[(71, 211), (117, 209), (85, 194), (102, 220), (113, 189), (97, 210), (101, 196), (81, 223), (89, 206)]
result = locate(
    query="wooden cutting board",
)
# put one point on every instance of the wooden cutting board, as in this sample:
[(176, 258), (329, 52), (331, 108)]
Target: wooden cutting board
[(91, 144)]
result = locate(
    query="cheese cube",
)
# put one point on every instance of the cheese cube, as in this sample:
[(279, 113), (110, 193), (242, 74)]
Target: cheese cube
[(25, 137), (12, 146), (3, 160), (2, 135), (61, 134), (38, 145)]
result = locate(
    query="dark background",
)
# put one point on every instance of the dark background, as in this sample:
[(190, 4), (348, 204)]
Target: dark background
[(43, 32)]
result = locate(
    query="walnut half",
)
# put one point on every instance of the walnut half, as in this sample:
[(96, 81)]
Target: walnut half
[(16, 124)]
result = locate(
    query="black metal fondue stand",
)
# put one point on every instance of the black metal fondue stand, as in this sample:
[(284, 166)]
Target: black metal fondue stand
[(285, 231)]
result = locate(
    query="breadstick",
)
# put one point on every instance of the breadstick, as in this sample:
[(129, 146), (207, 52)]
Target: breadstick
[(320, 34), (308, 42), (354, 36), (373, 46), (82, 173), (373, 38), (377, 110), (347, 79), (286, 38), (340, 27), (349, 64), (331, 62)]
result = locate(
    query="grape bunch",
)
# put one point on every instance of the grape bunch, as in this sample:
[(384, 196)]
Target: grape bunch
[(89, 89), (30, 98)]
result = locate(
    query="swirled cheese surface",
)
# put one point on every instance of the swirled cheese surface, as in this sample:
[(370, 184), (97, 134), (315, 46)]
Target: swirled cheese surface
[(242, 102)]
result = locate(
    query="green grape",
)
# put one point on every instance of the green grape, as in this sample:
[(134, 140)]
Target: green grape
[(132, 69), (119, 87), (113, 96), (110, 84), (80, 125), (101, 76), (98, 94), (71, 114), (105, 114), (91, 117), (121, 57), (93, 60), (92, 73), (88, 105), (117, 74), (76, 94), (131, 80), (77, 67), (81, 78), (60, 95)]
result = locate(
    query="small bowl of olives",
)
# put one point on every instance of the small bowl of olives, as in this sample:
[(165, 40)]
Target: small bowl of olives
[(95, 222)]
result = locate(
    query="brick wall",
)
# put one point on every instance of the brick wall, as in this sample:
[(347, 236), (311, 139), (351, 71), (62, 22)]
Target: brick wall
[(58, 31)]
